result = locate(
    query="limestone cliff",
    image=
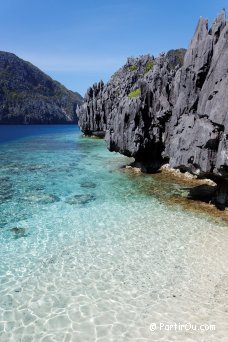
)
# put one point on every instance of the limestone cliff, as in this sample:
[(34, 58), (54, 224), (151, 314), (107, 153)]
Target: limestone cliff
[(169, 109)]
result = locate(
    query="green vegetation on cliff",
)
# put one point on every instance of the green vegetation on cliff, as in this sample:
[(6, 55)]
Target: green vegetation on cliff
[(149, 66), (134, 93), (133, 67)]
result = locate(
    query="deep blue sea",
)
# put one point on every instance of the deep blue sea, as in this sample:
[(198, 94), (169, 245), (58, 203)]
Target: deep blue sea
[(87, 254)]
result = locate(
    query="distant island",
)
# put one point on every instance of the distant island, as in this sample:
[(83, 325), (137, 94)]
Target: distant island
[(169, 110), (29, 96)]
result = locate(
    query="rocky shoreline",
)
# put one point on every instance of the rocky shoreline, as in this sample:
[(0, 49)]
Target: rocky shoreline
[(172, 109), (185, 190)]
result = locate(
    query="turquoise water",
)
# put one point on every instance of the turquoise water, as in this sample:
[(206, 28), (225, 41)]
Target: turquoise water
[(87, 255)]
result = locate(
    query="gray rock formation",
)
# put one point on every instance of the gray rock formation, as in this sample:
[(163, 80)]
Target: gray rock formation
[(133, 106), (197, 131), (28, 96), (170, 109)]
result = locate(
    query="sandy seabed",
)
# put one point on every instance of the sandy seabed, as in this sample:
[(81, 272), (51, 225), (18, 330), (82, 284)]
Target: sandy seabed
[(92, 253)]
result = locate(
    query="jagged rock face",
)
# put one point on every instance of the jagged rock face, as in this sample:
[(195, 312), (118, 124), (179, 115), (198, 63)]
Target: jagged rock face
[(136, 126), (167, 112), (125, 107), (29, 96), (198, 128), (101, 100)]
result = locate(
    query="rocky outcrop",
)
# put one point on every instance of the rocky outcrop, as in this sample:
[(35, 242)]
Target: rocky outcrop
[(28, 96), (103, 105), (197, 131), (170, 109), (102, 100)]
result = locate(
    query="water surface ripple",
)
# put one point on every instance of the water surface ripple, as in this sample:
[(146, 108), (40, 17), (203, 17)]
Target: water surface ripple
[(86, 255)]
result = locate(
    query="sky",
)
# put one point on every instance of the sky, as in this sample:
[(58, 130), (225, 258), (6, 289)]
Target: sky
[(81, 42)]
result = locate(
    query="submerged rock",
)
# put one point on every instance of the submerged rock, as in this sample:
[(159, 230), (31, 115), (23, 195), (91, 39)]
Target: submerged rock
[(40, 197), (18, 231), (36, 167), (80, 199), (88, 184)]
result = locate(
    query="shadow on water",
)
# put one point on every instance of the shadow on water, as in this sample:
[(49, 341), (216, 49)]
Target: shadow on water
[(202, 192), (206, 193)]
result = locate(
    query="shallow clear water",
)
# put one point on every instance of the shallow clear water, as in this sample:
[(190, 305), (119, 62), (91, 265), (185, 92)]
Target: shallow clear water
[(88, 255)]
